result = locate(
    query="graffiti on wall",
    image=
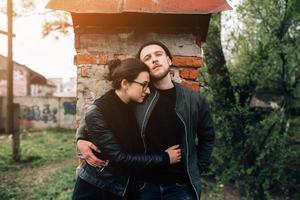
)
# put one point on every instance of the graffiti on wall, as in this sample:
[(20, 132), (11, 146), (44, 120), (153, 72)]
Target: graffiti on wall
[(35, 113), (69, 108)]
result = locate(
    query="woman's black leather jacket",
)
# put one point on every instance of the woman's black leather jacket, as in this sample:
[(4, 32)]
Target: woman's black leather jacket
[(111, 125)]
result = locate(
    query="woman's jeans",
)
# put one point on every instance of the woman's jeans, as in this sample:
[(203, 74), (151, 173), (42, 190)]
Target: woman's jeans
[(176, 191)]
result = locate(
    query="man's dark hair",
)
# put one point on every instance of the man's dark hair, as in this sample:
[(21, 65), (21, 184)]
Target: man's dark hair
[(165, 48)]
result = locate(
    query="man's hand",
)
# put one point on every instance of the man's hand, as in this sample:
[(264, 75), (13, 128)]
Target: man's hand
[(85, 148)]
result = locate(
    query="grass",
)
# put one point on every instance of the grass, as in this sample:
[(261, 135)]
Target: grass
[(37, 149), (47, 169), (62, 183)]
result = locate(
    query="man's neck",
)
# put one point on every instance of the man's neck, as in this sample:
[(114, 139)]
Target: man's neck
[(165, 83)]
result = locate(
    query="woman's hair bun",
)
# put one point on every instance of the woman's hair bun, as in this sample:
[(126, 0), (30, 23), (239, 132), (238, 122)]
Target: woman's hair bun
[(112, 65)]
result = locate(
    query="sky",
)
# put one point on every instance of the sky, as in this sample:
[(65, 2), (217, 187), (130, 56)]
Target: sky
[(230, 23), (48, 56)]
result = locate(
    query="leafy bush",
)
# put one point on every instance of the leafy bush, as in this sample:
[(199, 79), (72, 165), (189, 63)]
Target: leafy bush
[(258, 143)]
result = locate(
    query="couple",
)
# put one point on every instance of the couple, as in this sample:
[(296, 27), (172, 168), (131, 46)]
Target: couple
[(156, 149)]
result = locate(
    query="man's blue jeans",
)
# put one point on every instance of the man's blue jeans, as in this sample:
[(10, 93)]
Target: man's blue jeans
[(176, 191)]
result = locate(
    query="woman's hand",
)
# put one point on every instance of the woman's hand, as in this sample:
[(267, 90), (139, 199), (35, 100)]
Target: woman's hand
[(174, 154)]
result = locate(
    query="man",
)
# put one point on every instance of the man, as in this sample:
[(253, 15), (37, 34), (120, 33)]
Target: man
[(172, 114)]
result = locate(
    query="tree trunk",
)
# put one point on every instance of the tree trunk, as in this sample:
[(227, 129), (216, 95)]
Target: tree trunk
[(219, 78)]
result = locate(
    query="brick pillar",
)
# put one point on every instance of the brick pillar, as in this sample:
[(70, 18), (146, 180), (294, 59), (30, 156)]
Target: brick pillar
[(95, 50)]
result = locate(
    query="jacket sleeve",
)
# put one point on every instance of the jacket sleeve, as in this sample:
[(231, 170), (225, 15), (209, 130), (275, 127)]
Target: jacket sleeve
[(103, 137), (206, 134), (81, 135), (80, 132)]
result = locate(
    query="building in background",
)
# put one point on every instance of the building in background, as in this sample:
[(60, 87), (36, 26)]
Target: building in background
[(58, 82), (26, 82), (64, 88), (70, 86), (40, 108)]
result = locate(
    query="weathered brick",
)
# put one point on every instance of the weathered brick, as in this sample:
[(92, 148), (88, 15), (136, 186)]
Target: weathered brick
[(85, 71), (190, 74), (100, 59), (198, 41), (124, 56), (187, 61), (77, 41), (193, 85)]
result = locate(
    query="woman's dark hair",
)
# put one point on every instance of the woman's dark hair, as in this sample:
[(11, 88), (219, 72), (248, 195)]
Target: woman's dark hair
[(165, 48), (127, 69)]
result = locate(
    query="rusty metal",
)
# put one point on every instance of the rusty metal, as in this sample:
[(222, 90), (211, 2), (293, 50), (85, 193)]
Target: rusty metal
[(141, 6)]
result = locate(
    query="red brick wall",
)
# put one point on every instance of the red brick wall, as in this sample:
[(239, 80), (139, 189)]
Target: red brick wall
[(188, 70)]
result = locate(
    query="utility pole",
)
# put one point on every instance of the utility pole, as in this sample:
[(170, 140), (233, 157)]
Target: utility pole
[(10, 105)]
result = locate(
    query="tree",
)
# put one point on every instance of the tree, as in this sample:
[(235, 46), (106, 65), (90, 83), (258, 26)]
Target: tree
[(56, 23), (256, 147)]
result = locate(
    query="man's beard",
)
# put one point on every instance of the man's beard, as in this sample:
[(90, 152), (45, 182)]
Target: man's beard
[(159, 76)]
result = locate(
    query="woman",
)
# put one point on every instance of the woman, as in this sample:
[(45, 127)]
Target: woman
[(111, 125)]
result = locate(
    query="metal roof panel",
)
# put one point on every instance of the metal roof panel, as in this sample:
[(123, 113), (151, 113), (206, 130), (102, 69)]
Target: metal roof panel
[(140, 6)]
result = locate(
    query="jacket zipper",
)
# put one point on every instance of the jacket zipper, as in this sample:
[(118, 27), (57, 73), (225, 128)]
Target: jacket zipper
[(144, 120), (187, 153), (126, 186)]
